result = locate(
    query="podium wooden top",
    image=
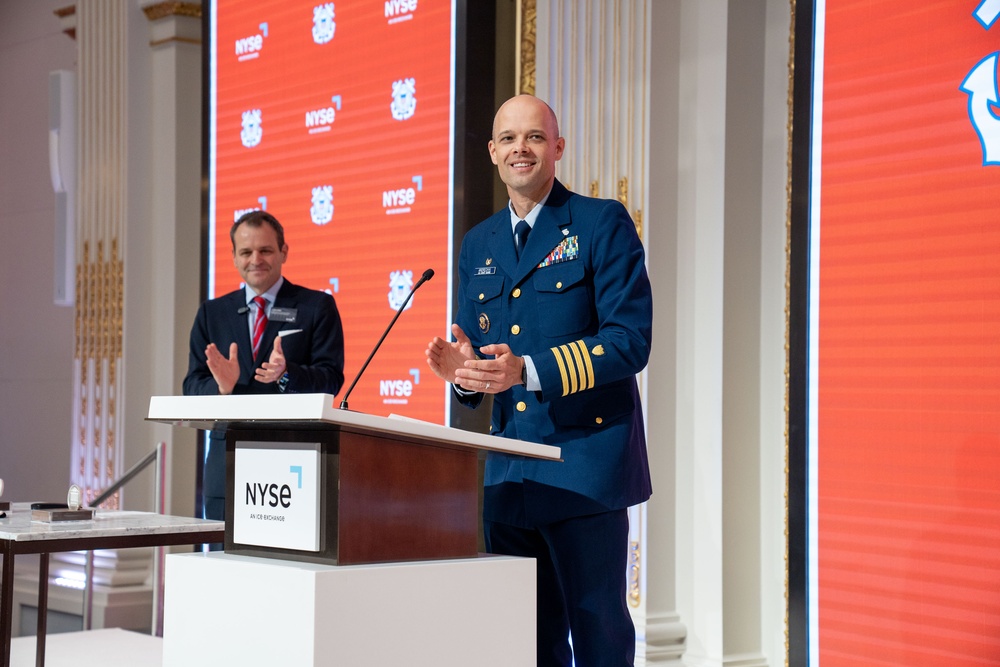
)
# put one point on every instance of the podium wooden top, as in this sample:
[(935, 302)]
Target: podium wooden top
[(257, 409)]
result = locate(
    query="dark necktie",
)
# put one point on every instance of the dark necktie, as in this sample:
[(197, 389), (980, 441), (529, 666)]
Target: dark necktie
[(521, 232), (259, 323)]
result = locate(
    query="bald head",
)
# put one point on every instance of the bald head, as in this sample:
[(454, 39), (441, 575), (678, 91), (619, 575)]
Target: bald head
[(525, 148), (522, 103)]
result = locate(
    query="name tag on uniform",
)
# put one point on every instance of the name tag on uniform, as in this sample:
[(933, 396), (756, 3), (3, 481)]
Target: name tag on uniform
[(486, 270), (283, 314)]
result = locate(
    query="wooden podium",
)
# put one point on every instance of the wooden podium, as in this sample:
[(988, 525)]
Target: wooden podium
[(390, 489)]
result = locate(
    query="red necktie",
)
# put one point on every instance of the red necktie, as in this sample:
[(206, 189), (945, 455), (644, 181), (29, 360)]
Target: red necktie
[(259, 323)]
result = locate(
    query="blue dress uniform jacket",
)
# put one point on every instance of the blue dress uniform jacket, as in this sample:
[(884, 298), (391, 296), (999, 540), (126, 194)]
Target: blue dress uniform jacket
[(314, 356), (578, 302)]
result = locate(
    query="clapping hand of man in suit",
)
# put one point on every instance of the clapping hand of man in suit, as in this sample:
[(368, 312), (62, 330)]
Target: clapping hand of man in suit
[(226, 371), (272, 369)]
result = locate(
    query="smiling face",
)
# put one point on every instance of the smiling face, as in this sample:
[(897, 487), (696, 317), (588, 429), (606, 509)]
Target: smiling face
[(257, 255), (525, 147)]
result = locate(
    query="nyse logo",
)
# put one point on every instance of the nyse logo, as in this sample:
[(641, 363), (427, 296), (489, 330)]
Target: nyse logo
[(399, 10), (401, 199), (262, 494), (249, 47), (398, 392), (395, 392), (395, 388), (320, 120), (398, 201)]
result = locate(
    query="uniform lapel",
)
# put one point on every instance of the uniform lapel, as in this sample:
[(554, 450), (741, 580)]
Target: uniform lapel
[(547, 232), (501, 244)]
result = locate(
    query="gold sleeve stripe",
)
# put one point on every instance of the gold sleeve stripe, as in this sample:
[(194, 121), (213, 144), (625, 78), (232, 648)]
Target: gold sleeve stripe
[(562, 370), (588, 367), (575, 367), (572, 362), (581, 372)]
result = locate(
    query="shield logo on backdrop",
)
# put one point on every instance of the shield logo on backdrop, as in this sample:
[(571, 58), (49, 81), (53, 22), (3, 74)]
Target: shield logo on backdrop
[(404, 100), (323, 24), (400, 285), (321, 211), (252, 132)]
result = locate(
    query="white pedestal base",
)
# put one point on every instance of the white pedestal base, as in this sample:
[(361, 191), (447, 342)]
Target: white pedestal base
[(224, 609)]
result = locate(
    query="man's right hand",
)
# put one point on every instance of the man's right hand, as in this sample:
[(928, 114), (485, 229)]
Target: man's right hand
[(445, 357), (225, 371)]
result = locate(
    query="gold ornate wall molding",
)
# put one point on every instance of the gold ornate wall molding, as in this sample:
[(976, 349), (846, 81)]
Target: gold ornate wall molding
[(161, 10), (788, 288), (173, 23), (98, 422), (99, 316), (527, 14)]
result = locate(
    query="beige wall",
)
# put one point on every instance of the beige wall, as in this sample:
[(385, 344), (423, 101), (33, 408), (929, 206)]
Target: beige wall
[(36, 336)]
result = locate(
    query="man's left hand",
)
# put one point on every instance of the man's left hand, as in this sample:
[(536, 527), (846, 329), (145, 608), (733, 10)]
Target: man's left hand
[(491, 376), (272, 369)]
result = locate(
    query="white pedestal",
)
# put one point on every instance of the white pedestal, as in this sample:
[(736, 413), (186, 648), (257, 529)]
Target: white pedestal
[(224, 609)]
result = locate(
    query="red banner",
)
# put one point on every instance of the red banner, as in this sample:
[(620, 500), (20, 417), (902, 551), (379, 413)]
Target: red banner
[(908, 439), (336, 118)]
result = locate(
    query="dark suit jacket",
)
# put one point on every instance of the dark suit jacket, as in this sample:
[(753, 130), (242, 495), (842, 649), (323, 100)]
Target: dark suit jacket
[(315, 355), (579, 303)]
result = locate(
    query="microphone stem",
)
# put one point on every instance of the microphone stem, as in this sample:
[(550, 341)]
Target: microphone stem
[(343, 403)]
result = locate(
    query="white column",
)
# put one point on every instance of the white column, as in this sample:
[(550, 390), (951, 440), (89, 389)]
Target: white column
[(701, 93), (162, 274), (742, 331), (665, 630)]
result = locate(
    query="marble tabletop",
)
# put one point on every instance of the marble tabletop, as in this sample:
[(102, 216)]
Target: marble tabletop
[(19, 527)]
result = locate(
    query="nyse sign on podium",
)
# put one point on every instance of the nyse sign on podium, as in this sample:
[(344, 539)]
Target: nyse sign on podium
[(276, 495)]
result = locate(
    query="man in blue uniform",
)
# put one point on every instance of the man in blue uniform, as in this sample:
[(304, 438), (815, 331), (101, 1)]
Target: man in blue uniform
[(235, 344), (555, 321)]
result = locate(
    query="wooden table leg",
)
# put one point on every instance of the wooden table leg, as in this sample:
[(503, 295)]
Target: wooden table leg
[(43, 608), (7, 601)]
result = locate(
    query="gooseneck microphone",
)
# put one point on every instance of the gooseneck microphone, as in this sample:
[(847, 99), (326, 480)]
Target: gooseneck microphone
[(428, 274)]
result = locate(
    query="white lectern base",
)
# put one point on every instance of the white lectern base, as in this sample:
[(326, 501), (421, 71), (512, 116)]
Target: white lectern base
[(225, 609)]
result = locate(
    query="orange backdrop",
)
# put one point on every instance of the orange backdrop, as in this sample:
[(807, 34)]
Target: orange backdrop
[(326, 122), (909, 343)]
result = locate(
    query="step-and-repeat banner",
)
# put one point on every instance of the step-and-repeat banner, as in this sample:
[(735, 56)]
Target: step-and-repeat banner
[(337, 119), (905, 363)]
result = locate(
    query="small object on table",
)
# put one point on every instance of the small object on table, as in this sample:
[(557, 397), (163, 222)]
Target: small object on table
[(68, 511)]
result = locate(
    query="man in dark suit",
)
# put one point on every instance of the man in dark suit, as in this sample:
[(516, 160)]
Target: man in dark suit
[(236, 347), (556, 325)]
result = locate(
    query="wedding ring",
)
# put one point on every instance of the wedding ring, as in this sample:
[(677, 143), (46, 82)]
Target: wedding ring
[(487, 385)]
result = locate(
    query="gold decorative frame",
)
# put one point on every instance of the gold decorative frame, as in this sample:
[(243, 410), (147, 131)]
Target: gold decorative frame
[(788, 282), (527, 14), (164, 9)]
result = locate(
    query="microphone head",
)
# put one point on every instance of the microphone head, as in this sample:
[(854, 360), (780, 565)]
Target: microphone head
[(244, 309), (428, 274)]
